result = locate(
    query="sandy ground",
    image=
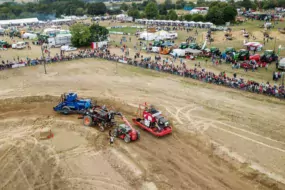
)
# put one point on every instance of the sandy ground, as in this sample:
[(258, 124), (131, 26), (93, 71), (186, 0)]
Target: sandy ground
[(208, 121)]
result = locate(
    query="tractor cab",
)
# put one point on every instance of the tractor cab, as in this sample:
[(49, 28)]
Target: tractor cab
[(123, 128), (183, 45), (268, 52), (194, 46), (230, 50), (157, 43), (269, 56)]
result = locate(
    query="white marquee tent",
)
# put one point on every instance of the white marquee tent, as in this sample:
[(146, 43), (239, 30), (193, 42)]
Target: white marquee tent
[(19, 21)]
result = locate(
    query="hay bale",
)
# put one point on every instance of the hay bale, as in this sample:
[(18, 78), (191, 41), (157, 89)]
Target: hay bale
[(45, 133)]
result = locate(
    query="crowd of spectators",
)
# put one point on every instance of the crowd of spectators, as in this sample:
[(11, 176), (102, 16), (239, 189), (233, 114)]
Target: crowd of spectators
[(161, 66)]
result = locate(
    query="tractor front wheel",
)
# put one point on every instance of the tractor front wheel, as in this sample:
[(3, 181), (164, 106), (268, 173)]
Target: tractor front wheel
[(127, 138), (66, 110), (87, 120)]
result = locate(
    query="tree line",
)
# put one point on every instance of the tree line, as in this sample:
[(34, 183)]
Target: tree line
[(219, 12)]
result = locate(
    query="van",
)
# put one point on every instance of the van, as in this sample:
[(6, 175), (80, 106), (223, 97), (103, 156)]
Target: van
[(19, 45)]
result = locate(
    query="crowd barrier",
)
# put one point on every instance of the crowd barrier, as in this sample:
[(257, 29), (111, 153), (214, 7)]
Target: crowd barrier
[(201, 75)]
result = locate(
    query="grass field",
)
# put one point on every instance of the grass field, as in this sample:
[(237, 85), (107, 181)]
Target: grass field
[(130, 30), (261, 74)]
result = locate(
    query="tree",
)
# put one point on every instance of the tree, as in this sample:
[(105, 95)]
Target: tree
[(134, 13), (151, 10), (98, 33), (230, 14), (124, 7), (198, 18), (172, 15), (246, 4), (180, 4), (79, 11), (96, 9), (162, 10), (80, 35), (215, 15), (168, 4), (188, 17)]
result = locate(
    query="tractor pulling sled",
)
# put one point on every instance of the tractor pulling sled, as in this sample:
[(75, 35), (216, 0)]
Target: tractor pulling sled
[(152, 121)]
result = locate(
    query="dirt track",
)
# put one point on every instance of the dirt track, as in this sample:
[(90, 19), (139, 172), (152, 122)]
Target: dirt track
[(247, 126)]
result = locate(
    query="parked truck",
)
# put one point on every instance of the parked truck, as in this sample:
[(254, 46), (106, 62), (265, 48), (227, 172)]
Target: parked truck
[(59, 40)]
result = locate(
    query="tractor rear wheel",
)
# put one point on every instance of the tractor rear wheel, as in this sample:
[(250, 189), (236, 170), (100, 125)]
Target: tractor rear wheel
[(66, 110), (87, 120), (127, 138)]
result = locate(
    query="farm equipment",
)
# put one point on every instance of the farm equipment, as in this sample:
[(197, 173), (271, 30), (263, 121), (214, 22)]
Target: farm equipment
[(212, 51), (229, 50), (126, 131), (99, 116), (157, 43), (70, 103), (152, 121), (183, 45), (4, 44), (194, 46), (269, 56), (281, 30), (242, 54), (165, 50)]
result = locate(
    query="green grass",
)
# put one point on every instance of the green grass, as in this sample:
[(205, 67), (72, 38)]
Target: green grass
[(125, 30)]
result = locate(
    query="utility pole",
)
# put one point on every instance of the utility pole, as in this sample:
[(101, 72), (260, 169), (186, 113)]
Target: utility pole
[(147, 36), (43, 48), (283, 76), (274, 44)]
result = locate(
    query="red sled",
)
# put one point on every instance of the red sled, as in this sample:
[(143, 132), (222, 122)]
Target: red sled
[(152, 121)]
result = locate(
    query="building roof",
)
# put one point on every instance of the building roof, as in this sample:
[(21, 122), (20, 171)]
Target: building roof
[(19, 21)]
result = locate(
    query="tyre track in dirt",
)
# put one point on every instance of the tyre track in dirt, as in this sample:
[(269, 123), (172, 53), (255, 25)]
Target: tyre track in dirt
[(182, 115), (26, 131)]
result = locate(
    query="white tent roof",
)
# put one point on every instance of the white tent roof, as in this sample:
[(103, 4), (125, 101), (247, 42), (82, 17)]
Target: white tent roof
[(19, 21), (61, 20), (282, 61)]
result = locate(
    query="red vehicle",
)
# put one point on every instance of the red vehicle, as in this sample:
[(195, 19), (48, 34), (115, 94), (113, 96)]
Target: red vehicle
[(126, 131), (152, 121)]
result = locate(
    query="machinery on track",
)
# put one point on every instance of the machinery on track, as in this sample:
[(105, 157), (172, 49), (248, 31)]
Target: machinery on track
[(152, 121), (99, 116), (126, 131), (70, 103)]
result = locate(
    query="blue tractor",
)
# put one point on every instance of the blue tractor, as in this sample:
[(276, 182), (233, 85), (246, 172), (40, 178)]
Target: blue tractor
[(69, 103)]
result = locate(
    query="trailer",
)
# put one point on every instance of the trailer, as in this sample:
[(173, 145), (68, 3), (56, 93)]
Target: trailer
[(59, 40)]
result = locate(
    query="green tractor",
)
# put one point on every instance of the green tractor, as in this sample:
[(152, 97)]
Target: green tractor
[(269, 56), (242, 54), (215, 51), (15, 33), (208, 52), (157, 43), (4, 44), (194, 46), (183, 45), (230, 50)]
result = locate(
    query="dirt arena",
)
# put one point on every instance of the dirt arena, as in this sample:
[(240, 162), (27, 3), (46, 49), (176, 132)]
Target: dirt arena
[(214, 127)]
